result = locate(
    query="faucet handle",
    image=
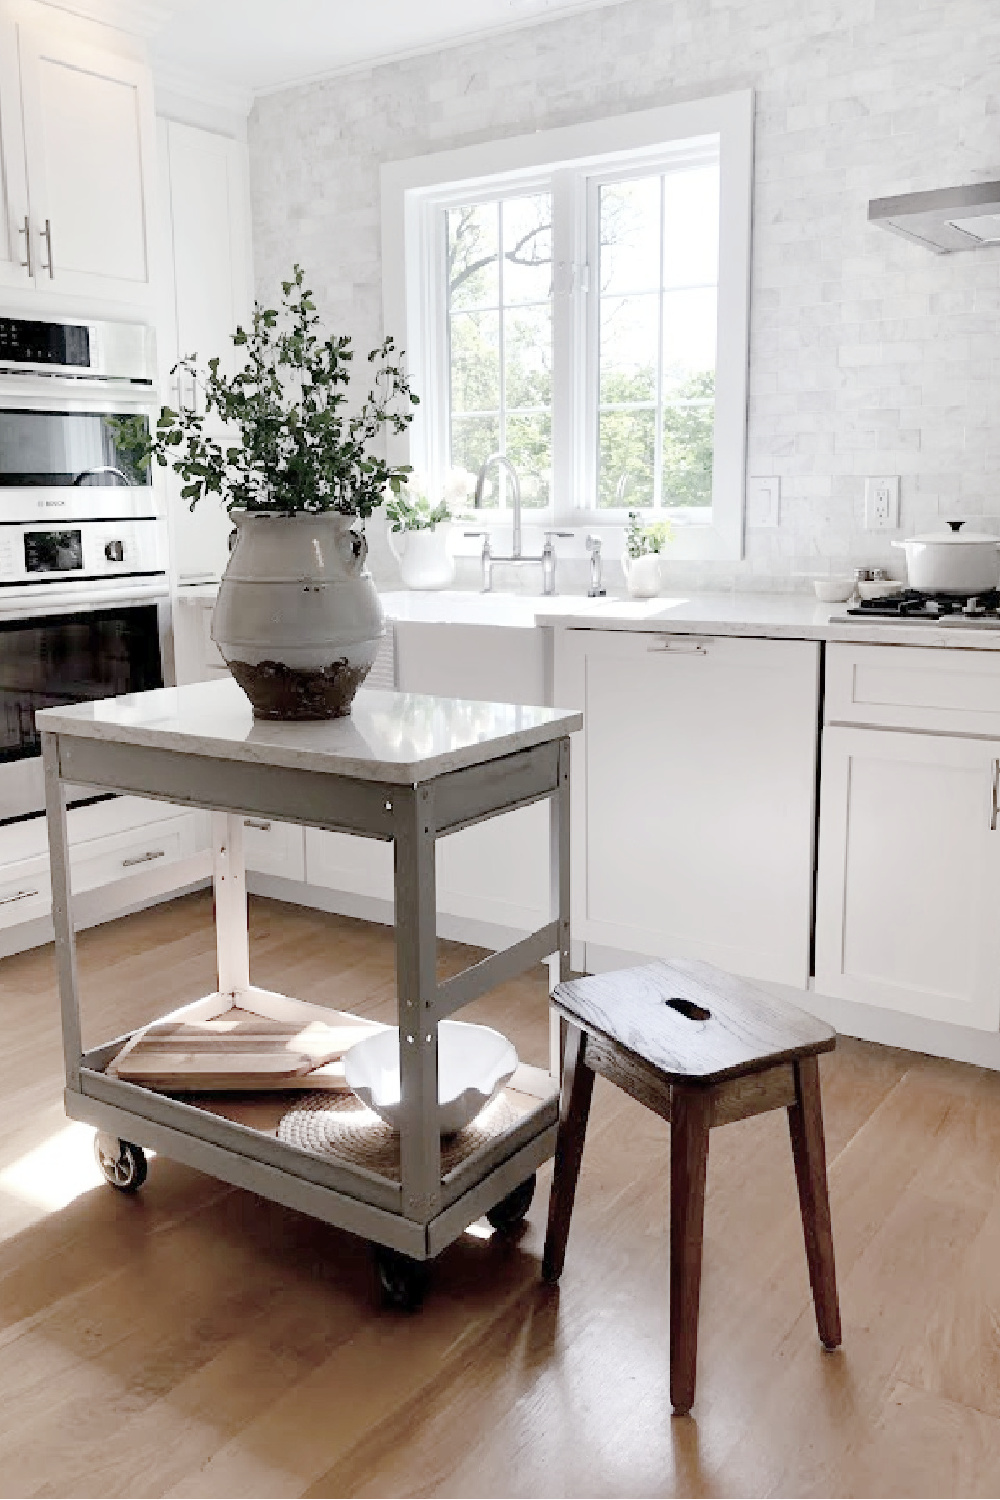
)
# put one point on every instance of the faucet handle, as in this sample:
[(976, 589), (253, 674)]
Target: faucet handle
[(550, 534), (594, 544)]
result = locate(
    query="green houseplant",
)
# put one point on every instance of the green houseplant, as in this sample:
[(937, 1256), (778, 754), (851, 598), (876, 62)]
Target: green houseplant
[(298, 619), (644, 541), (419, 517)]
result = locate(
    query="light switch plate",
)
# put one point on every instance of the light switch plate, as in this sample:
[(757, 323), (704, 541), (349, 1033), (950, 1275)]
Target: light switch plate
[(882, 503), (764, 502)]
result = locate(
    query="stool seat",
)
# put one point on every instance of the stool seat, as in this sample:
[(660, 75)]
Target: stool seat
[(702, 1049), (692, 1022)]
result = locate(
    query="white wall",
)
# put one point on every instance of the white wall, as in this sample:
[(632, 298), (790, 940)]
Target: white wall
[(869, 355)]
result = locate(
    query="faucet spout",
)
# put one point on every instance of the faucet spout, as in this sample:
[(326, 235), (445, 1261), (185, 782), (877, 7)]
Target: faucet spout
[(503, 462)]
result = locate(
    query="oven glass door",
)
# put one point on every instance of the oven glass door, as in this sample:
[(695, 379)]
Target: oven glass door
[(60, 659), (73, 449)]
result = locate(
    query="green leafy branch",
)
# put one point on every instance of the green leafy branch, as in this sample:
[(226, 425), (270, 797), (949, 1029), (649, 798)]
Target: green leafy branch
[(300, 449)]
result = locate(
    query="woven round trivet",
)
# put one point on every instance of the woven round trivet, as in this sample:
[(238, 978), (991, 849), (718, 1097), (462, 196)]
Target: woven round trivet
[(340, 1127)]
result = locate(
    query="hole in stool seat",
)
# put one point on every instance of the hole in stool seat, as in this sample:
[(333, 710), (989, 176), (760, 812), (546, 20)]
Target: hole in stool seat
[(688, 1008)]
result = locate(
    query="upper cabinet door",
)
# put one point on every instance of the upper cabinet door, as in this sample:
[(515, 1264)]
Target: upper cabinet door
[(14, 221), (210, 232), (89, 149)]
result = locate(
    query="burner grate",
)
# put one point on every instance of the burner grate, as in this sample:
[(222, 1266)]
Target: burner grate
[(913, 604)]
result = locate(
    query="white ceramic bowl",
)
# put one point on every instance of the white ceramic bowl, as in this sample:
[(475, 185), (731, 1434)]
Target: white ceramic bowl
[(833, 590), (474, 1063)]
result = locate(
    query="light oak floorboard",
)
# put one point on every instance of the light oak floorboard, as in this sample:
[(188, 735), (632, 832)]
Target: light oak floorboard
[(196, 1340)]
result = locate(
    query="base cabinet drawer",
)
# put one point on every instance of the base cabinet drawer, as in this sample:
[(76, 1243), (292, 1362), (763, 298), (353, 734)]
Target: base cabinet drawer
[(942, 691), (274, 848), (99, 861), (24, 891)]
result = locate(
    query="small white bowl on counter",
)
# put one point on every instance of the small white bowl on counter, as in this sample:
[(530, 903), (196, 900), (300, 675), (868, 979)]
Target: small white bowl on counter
[(833, 590)]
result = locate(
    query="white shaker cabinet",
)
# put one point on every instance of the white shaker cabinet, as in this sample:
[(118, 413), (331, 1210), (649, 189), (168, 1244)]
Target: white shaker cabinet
[(89, 154), (208, 252), (15, 223), (693, 798), (909, 845)]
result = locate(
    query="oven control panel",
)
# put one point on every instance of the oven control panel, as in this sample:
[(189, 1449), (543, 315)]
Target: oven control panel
[(87, 551)]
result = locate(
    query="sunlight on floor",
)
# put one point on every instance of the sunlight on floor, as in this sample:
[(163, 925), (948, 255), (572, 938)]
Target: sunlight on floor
[(52, 1175)]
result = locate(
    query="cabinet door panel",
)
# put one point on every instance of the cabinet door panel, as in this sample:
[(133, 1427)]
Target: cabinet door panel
[(694, 797), (88, 144), (209, 240), (14, 223), (342, 862), (909, 875)]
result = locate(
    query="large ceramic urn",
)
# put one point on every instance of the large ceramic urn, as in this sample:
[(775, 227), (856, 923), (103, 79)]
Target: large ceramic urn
[(298, 618)]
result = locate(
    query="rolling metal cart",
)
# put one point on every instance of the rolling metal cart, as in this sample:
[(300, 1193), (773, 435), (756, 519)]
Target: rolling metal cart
[(403, 768)]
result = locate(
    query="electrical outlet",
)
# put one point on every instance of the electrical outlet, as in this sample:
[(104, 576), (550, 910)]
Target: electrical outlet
[(882, 504), (763, 502)]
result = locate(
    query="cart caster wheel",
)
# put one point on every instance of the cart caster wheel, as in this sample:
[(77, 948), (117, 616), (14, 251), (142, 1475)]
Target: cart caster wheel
[(124, 1165), (510, 1211), (402, 1280)]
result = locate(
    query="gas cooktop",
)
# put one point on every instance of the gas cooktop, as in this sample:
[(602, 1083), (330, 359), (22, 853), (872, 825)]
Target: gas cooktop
[(936, 609)]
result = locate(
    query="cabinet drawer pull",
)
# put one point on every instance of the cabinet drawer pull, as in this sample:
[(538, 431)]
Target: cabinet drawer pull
[(678, 646), (144, 859), (264, 826), (46, 235), (26, 231), (995, 796), (18, 896)]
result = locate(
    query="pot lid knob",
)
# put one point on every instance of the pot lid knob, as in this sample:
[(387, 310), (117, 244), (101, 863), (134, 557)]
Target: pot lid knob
[(956, 525)]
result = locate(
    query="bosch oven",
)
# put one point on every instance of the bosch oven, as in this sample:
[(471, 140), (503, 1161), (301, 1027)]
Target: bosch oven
[(83, 551)]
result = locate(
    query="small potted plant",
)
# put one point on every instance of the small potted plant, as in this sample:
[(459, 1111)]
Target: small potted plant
[(420, 519), (298, 618), (641, 558)]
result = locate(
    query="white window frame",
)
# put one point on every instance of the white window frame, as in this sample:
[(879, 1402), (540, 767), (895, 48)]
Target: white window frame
[(570, 160)]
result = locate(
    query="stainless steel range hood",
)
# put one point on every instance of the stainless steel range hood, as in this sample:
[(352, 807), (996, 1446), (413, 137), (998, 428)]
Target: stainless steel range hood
[(945, 219)]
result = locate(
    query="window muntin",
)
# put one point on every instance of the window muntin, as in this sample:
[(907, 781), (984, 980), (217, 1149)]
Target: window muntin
[(499, 340), (657, 253)]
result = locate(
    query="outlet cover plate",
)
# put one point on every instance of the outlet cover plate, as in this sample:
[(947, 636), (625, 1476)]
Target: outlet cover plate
[(764, 502), (882, 503)]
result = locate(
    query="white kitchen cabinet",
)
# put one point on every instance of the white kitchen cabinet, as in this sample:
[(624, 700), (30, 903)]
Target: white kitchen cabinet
[(15, 225), (693, 798), (274, 848), (148, 847), (89, 154), (909, 874), (208, 252)]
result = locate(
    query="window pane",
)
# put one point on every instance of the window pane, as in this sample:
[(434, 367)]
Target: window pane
[(473, 439), (628, 348), (527, 248), (630, 235), (691, 227), (473, 274), (626, 458), (529, 448), (475, 361), (687, 448), (688, 339), (528, 356)]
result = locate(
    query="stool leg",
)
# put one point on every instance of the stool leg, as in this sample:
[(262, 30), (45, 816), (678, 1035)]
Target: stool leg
[(689, 1123), (574, 1111), (805, 1124)]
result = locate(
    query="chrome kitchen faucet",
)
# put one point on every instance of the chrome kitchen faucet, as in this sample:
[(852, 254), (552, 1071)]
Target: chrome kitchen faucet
[(547, 557)]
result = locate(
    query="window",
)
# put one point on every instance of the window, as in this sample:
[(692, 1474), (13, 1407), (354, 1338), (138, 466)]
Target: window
[(577, 301)]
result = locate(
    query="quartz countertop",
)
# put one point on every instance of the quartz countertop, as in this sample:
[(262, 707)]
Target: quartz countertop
[(775, 616), (403, 738)]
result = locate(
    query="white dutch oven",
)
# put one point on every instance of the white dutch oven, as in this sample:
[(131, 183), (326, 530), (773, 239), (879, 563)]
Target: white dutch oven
[(952, 562)]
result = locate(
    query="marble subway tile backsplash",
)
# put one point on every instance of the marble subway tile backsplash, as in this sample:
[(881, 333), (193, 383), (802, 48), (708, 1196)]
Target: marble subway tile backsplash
[(868, 354)]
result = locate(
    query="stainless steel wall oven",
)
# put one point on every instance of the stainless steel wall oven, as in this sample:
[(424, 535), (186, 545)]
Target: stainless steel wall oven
[(83, 549)]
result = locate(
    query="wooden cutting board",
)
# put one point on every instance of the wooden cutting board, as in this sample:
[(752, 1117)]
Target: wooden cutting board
[(240, 1051)]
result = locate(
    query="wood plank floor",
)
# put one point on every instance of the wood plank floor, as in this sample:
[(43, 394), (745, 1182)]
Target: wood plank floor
[(195, 1340)]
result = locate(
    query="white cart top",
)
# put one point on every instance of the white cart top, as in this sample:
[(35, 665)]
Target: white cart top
[(404, 738)]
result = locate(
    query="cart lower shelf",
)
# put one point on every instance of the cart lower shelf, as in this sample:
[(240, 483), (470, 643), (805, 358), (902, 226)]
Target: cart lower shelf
[(343, 1169)]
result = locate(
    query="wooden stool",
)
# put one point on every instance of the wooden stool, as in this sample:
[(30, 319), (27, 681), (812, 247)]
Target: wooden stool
[(701, 1048)]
